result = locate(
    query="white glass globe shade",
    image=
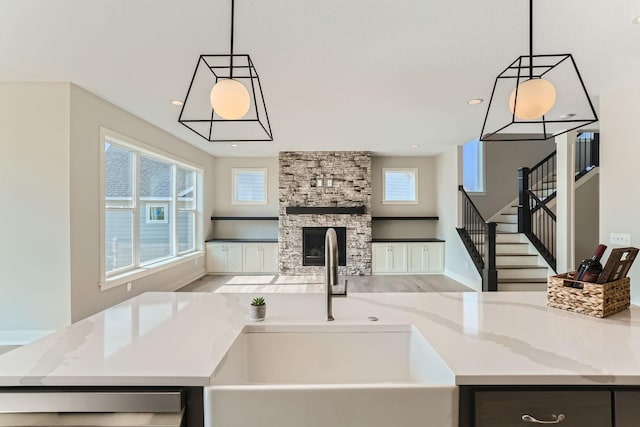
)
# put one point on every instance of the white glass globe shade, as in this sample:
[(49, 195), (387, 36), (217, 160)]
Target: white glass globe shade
[(230, 99), (535, 98)]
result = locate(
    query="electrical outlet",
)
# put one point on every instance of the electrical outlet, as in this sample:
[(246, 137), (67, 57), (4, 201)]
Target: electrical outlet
[(620, 239), (129, 287)]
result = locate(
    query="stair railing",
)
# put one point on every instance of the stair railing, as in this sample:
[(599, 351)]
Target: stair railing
[(479, 238), (537, 187)]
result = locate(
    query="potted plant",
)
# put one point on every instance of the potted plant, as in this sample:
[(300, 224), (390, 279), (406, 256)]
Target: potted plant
[(258, 309)]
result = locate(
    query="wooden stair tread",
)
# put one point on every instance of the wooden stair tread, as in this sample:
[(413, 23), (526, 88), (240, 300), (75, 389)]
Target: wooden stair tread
[(509, 243), (516, 254)]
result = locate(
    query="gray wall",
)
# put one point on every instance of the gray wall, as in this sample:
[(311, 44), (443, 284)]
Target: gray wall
[(619, 172), (458, 264), (221, 184), (88, 114), (427, 198), (34, 221), (587, 216), (502, 160)]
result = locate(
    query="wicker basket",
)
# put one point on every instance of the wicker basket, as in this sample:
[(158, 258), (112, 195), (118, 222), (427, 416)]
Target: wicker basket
[(588, 298)]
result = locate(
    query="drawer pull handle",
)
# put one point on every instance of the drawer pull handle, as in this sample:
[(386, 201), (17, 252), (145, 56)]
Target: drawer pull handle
[(556, 419)]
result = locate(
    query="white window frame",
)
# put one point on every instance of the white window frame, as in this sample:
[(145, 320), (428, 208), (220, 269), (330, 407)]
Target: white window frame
[(234, 173), (413, 172), (136, 271)]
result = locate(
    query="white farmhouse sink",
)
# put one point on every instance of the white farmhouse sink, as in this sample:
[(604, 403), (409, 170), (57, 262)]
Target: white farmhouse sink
[(331, 375)]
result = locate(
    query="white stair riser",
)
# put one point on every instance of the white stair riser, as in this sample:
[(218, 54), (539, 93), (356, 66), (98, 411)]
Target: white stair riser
[(511, 238), (512, 218), (522, 273), (512, 228), (511, 287), (516, 260), (512, 248)]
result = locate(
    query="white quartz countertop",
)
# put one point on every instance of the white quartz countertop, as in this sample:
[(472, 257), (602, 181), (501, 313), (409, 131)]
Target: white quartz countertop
[(486, 339)]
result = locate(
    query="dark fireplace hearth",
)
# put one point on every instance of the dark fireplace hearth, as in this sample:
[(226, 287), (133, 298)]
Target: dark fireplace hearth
[(313, 245)]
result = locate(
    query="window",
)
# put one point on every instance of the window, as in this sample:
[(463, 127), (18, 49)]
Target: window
[(249, 186), (473, 166), (150, 208), (400, 186)]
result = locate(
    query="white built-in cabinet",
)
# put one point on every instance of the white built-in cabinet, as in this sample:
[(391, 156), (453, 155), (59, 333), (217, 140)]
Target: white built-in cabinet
[(259, 257), (229, 257), (389, 257), (405, 257)]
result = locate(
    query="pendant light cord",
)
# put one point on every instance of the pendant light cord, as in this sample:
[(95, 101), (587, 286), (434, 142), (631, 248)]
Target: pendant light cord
[(231, 48), (530, 39)]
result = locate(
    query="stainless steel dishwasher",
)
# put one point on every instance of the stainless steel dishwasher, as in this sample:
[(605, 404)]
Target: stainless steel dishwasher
[(90, 408)]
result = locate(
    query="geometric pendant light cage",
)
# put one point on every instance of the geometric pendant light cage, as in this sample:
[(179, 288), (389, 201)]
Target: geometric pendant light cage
[(537, 97), (198, 115), (225, 102)]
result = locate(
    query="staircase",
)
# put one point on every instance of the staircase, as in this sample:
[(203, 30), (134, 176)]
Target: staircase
[(519, 265), (509, 260)]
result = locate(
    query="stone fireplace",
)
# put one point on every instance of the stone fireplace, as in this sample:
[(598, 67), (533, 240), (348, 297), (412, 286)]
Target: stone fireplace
[(320, 190)]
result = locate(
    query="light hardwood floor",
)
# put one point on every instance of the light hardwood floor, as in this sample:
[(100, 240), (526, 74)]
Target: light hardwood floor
[(310, 284)]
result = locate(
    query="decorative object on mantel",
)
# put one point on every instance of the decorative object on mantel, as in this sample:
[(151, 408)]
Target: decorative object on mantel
[(218, 105), (258, 309), (525, 105)]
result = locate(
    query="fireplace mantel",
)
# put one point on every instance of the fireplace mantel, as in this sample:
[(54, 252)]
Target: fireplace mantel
[(309, 210)]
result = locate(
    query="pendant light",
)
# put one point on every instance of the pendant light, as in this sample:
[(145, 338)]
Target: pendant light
[(225, 102), (526, 104)]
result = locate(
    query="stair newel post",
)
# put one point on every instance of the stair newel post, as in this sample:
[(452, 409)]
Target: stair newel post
[(524, 205), (489, 273), (595, 150)]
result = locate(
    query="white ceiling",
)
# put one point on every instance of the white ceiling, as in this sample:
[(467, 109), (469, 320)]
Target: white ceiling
[(374, 75)]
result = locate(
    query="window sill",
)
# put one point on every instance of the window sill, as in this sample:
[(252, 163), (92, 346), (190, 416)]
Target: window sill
[(476, 193), (138, 273), (399, 202)]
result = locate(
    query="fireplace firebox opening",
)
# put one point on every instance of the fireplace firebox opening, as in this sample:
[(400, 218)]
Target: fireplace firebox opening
[(313, 245)]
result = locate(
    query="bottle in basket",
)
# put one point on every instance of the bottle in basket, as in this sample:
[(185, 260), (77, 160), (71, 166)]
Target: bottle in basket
[(591, 268)]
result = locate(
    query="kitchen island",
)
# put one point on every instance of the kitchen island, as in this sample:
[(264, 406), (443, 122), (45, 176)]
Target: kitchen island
[(492, 340)]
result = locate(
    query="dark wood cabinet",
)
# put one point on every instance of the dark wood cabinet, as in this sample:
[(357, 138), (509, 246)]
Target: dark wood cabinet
[(627, 408), (507, 408)]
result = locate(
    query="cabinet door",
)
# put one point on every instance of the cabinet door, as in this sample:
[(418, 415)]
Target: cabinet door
[(269, 258), (251, 258), (216, 257), (434, 257), (399, 258), (381, 258), (417, 258), (627, 408), (234, 258), (506, 408)]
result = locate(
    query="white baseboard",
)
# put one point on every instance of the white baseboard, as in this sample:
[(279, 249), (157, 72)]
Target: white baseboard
[(21, 337), (476, 286), (185, 280)]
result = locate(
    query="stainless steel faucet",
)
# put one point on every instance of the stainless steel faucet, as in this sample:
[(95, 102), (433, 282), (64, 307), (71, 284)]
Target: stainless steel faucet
[(331, 269)]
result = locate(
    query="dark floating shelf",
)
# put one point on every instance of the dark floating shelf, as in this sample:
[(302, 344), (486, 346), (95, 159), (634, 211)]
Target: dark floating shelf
[(244, 218), (405, 218), (301, 210)]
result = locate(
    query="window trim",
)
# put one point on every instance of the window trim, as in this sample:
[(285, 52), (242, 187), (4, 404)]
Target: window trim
[(234, 172), (123, 276), (414, 172)]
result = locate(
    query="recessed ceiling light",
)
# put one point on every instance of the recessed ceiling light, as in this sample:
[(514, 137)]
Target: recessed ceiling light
[(636, 20), (567, 116), (234, 145), (177, 102), (414, 146), (475, 101)]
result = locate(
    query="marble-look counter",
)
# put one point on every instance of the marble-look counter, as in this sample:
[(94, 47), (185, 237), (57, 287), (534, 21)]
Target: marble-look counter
[(180, 338)]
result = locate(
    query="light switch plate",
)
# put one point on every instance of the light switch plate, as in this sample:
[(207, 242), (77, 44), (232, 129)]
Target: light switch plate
[(620, 239)]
